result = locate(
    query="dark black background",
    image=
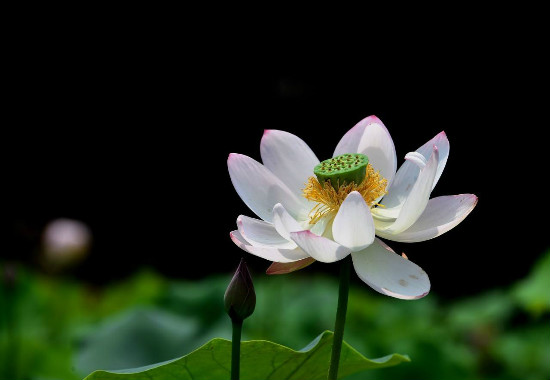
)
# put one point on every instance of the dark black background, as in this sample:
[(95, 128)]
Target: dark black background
[(131, 135)]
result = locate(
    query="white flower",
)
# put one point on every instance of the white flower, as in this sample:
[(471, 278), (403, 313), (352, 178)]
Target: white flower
[(303, 220)]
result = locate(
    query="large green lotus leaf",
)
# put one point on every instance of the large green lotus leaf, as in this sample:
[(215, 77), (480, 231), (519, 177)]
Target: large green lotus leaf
[(259, 360)]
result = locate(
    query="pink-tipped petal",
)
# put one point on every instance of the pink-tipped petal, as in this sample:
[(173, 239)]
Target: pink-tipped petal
[(284, 268), (319, 247), (271, 254), (441, 215), (408, 172), (353, 226), (371, 138), (417, 198), (262, 234), (289, 158), (390, 274), (259, 188)]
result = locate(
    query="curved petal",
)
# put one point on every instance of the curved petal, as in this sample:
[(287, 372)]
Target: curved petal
[(408, 172), (262, 234), (289, 158), (385, 214), (417, 158), (319, 247), (418, 197), (271, 254), (321, 225), (441, 215), (284, 223), (371, 138), (259, 188), (284, 268), (353, 226), (390, 274)]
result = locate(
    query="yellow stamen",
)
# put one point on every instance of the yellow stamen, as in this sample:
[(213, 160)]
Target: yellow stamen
[(329, 199)]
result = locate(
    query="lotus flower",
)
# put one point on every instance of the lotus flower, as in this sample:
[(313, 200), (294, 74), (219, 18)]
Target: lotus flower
[(311, 210)]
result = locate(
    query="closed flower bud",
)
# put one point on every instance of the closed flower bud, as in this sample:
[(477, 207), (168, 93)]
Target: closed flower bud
[(240, 297), (65, 242)]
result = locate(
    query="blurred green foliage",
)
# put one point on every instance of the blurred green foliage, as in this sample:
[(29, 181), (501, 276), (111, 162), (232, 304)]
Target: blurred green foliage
[(53, 328), (533, 293)]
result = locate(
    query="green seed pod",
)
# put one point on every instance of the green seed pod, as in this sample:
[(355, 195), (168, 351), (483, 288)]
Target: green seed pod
[(343, 169)]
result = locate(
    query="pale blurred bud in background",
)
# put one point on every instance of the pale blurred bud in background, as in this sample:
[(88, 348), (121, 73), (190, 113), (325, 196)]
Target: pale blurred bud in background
[(65, 242)]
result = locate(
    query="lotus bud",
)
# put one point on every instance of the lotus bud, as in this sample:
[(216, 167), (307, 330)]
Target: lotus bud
[(240, 297), (65, 241)]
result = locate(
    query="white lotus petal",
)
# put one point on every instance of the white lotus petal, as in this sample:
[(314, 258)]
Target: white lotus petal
[(418, 197), (408, 172), (328, 229), (417, 158), (441, 215), (385, 214), (284, 223), (390, 274), (319, 247), (289, 158), (321, 225), (353, 226), (371, 138), (271, 254), (262, 234), (259, 188), (381, 225)]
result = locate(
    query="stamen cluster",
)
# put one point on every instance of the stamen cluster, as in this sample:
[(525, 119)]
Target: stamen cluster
[(329, 199)]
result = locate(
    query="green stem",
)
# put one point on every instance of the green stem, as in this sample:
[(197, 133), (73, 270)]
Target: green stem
[(236, 349), (343, 293)]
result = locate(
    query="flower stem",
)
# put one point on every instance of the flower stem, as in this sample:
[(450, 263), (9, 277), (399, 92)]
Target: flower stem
[(343, 292), (236, 349)]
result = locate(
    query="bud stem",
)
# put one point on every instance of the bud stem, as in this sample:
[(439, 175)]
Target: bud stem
[(343, 292), (236, 349)]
